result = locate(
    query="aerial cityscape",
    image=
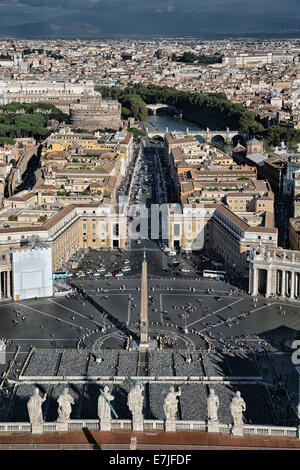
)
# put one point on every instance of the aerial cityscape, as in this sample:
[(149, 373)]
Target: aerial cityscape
[(149, 229)]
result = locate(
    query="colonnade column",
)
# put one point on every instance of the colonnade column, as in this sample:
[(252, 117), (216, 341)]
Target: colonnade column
[(255, 281), (269, 282), (8, 284), (292, 289), (250, 290), (283, 283), (0, 285)]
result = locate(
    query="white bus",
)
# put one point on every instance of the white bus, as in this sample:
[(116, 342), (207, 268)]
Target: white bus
[(214, 274)]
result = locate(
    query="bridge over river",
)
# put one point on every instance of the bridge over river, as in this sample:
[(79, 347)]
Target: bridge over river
[(206, 134)]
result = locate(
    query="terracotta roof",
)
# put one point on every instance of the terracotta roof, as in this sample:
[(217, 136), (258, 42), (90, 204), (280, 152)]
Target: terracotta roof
[(23, 198), (239, 194), (262, 229), (233, 217)]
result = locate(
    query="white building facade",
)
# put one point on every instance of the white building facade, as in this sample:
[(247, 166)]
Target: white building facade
[(32, 273)]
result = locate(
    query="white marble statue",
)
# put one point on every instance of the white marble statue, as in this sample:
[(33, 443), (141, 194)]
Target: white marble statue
[(65, 402), (171, 403), (135, 403), (237, 406), (212, 406), (298, 412), (34, 407), (104, 411)]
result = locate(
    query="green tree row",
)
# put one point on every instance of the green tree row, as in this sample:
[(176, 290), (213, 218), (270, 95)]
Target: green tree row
[(30, 123), (276, 134), (191, 57)]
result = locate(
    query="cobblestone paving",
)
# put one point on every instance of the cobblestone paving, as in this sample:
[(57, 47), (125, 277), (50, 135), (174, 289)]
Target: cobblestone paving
[(108, 366), (128, 363), (42, 363), (193, 402), (73, 363), (182, 368), (161, 364), (157, 394)]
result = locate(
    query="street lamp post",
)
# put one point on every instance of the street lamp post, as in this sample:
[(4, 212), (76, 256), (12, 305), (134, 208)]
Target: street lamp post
[(185, 316)]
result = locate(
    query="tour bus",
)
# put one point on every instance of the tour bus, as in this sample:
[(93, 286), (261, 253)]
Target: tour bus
[(60, 275), (214, 274)]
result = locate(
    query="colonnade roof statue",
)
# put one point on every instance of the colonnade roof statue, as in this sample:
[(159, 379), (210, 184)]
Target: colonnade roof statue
[(135, 403), (212, 406), (171, 403), (104, 407), (65, 402), (34, 407), (237, 407)]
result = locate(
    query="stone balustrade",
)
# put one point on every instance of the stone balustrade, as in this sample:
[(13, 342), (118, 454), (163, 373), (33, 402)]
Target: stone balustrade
[(249, 429)]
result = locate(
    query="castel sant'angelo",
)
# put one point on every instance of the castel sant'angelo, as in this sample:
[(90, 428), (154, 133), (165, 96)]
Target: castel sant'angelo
[(92, 112)]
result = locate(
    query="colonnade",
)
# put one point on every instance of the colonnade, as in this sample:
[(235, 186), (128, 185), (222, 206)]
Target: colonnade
[(278, 281), (5, 284)]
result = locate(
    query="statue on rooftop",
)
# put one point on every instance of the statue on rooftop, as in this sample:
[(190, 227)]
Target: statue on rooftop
[(65, 402), (212, 406), (34, 407), (135, 403), (104, 410), (237, 407), (171, 403)]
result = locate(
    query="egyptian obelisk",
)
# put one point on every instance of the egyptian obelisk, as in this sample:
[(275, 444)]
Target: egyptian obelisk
[(144, 339)]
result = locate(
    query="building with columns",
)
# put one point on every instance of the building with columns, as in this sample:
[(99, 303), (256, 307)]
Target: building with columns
[(32, 91), (5, 275), (274, 272)]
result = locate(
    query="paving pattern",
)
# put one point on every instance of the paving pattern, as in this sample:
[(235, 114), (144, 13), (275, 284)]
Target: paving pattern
[(192, 404)]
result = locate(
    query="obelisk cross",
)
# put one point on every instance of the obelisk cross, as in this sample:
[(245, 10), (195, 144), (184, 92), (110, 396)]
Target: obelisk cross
[(144, 340)]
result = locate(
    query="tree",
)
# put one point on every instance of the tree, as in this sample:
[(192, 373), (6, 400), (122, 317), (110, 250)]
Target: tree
[(136, 132), (126, 112), (136, 105)]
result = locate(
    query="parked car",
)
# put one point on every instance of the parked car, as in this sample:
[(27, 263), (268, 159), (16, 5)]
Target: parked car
[(108, 275), (185, 270), (172, 253), (101, 270), (125, 269), (120, 274)]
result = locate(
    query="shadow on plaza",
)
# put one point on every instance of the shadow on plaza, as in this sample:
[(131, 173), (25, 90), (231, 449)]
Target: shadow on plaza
[(271, 399), (121, 326), (279, 337)]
